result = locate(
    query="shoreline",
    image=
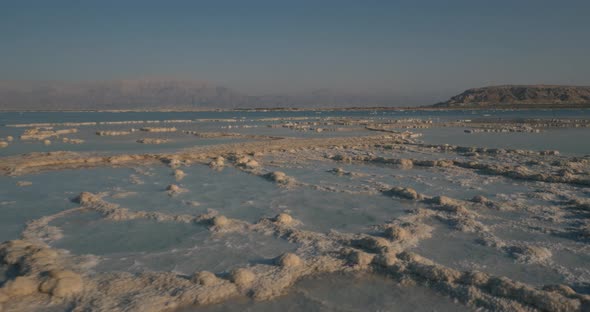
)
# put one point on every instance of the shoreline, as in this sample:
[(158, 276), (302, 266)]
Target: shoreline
[(343, 109)]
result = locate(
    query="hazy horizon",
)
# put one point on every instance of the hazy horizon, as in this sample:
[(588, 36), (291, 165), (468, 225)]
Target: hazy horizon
[(424, 51)]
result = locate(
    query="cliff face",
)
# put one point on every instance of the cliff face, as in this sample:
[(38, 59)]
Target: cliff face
[(521, 96)]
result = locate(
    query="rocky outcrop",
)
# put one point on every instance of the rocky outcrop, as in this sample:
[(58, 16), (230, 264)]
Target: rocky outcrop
[(520, 96)]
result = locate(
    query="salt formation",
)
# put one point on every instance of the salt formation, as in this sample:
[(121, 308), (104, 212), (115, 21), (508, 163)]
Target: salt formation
[(280, 178), (217, 163), (397, 233), (530, 254), (174, 189), (284, 218), (160, 129), (245, 162), (211, 135), (205, 278), (406, 163), (243, 277), (42, 134), (152, 141), (44, 277), (72, 141), (62, 284), (220, 221), (112, 133), (289, 260), (96, 123), (179, 174), (342, 172), (404, 192), (39, 276)]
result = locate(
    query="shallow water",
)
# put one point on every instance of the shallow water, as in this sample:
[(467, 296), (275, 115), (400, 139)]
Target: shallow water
[(335, 204), (566, 141)]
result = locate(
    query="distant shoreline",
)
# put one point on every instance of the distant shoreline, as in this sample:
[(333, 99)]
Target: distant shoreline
[(418, 108)]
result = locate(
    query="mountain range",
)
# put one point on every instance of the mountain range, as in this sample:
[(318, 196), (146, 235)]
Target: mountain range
[(167, 94), (176, 94)]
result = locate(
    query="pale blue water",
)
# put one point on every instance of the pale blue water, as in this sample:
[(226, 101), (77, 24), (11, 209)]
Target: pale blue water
[(36, 117), (141, 245), (568, 141)]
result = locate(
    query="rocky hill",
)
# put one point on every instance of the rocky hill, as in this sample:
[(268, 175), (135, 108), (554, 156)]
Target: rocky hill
[(521, 96)]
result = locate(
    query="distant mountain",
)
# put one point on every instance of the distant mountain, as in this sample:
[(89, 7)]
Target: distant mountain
[(111, 95), (166, 94), (520, 96)]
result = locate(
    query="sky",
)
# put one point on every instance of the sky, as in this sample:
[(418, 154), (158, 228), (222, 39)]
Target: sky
[(410, 48)]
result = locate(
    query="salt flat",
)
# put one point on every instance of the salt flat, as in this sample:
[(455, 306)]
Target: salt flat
[(232, 211)]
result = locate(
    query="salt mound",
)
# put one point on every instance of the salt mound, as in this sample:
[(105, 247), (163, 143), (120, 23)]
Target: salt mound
[(340, 157), (86, 198), (252, 164), (397, 233), (284, 218), (405, 192), (44, 133), (217, 163), (338, 171), (342, 172), (160, 129), (386, 259), (372, 243), (530, 254), (475, 278), (243, 278), (279, 177), (288, 260), (443, 201), (479, 199), (20, 286), (449, 204), (247, 163), (405, 163), (361, 258), (205, 278), (72, 141), (172, 162), (179, 174), (560, 288), (220, 221), (152, 141), (112, 133), (174, 189), (62, 284)]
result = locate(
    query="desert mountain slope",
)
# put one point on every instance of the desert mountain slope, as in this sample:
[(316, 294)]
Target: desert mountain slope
[(521, 96)]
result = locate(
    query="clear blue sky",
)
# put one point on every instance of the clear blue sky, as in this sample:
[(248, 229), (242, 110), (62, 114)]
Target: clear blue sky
[(400, 47)]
